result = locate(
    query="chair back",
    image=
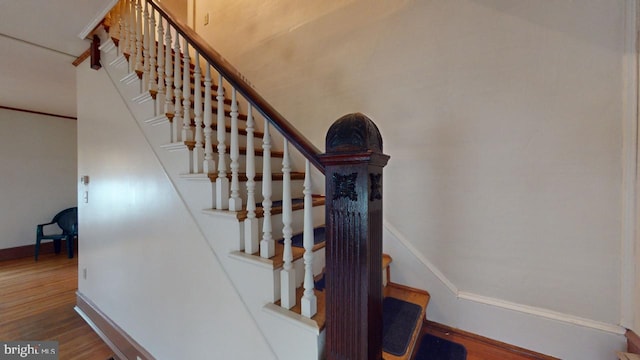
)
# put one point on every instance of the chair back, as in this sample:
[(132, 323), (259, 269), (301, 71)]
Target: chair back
[(67, 219)]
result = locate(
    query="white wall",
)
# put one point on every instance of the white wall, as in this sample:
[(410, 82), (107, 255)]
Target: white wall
[(148, 267), (503, 120), (38, 162)]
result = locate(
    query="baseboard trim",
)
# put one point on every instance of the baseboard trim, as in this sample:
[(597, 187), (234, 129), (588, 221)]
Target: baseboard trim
[(545, 313), (633, 342), (19, 252), (117, 339)]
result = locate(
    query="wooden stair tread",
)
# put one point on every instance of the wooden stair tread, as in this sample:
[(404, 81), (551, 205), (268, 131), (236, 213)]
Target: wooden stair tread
[(274, 177), (192, 67), (401, 292), (214, 125), (480, 347), (321, 316), (318, 200), (408, 294), (386, 260), (214, 100), (298, 252), (414, 296), (257, 135), (243, 150), (214, 110)]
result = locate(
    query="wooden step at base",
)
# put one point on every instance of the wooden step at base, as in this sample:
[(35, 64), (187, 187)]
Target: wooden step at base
[(321, 316), (386, 271), (479, 347), (414, 296)]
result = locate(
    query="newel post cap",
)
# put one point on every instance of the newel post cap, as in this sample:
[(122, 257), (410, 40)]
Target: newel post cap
[(353, 133), (353, 138)]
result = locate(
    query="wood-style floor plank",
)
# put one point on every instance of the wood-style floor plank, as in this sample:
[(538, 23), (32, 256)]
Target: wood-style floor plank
[(481, 348), (37, 302)]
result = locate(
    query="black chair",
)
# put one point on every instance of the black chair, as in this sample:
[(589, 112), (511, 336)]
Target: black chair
[(67, 220)]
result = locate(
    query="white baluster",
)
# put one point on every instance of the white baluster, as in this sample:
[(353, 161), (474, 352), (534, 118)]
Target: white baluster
[(108, 21), (177, 91), (123, 41), (132, 37), (160, 87), (187, 132), (267, 245), (251, 222), (198, 150), (288, 273), (309, 302), (139, 35), (153, 70), (222, 182), (168, 74), (235, 202), (209, 165), (145, 48), (114, 22)]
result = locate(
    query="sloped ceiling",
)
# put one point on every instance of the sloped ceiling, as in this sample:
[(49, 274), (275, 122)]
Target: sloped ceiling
[(38, 43)]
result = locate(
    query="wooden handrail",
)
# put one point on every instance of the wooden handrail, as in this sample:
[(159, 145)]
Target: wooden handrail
[(235, 78)]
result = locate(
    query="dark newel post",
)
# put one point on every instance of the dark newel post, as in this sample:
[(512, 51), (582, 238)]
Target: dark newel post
[(95, 53), (353, 168)]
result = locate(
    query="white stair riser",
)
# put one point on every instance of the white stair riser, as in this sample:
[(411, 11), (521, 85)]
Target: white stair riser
[(296, 186), (257, 141), (276, 163), (296, 190), (319, 261), (297, 224)]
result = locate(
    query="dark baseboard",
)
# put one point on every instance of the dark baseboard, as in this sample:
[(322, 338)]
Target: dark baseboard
[(633, 342), (30, 250), (119, 341)]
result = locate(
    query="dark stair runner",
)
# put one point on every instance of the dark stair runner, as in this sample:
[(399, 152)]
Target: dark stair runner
[(435, 348)]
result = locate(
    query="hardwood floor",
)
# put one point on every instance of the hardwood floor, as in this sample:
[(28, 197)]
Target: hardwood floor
[(481, 348), (37, 301)]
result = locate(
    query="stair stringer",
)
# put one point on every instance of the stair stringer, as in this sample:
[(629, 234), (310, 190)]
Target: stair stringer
[(258, 286)]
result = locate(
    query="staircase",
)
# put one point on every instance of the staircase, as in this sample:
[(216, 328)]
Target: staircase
[(252, 183)]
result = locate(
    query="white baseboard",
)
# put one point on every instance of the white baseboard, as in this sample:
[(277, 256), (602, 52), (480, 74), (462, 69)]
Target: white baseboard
[(545, 313)]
